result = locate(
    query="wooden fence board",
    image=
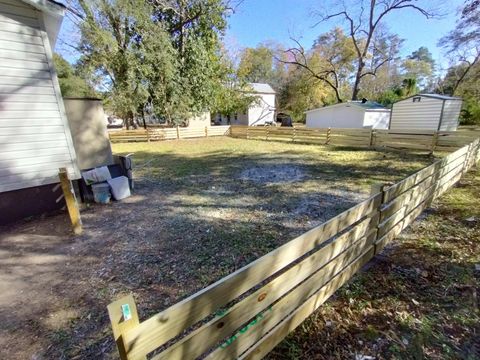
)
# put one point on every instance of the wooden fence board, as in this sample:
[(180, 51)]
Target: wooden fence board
[(313, 292), (208, 335), (172, 321)]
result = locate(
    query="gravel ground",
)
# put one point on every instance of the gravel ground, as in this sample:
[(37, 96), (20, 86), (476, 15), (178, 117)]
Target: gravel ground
[(201, 209)]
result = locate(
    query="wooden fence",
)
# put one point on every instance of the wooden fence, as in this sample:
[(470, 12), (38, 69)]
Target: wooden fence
[(416, 140), (158, 134), (247, 313)]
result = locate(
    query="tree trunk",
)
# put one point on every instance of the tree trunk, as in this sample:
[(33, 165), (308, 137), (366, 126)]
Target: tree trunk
[(358, 77)]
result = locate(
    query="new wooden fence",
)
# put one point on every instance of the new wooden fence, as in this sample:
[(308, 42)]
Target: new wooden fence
[(247, 313), (158, 134), (416, 140)]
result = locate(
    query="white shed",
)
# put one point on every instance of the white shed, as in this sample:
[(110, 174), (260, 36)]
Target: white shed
[(260, 112), (35, 138), (426, 112), (352, 114)]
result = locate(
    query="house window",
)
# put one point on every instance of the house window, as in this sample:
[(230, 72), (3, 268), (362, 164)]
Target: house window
[(417, 99)]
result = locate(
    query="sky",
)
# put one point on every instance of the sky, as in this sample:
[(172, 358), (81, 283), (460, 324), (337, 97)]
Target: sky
[(257, 21)]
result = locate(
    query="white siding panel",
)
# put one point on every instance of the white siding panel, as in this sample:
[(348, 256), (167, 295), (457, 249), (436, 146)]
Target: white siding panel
[(7, 9), (27, 106), (19, 20), (33, 130), (11, 64), (32, 74), (341, 116), (451, 112), (34, 135), (34, 146), (27, 138), (24, 81), (27, 114), (12, 45), (376, 119), (28, 99), (8, 92), (15, 55), (409, 115), (17, 28), (15, 37), (33, 153)]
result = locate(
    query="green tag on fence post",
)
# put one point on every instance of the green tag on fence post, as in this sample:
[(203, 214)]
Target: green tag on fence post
[(127, 314)]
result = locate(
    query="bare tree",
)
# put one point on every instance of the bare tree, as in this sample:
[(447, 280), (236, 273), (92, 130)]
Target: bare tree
[(364, 26)]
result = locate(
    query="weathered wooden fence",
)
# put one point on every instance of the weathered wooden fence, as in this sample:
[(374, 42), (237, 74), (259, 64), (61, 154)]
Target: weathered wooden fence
[(247, 313), (416, 140), (158, 134)]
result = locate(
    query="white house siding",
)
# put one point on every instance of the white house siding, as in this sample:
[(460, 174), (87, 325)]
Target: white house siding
[(422, 115), (35, 139), (376, 119), (342, 116), (451, 112), (262, 111)]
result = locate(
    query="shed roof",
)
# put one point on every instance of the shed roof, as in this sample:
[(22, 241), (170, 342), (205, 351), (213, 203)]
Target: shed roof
[(435, 96), (366, 106), (262, 88)]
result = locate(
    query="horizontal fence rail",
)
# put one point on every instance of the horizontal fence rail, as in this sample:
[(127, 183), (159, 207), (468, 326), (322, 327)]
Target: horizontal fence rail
[(371, 138), (247, 313), (159, 134)]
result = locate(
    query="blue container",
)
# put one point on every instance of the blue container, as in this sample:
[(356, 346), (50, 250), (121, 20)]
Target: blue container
[(101, 193)]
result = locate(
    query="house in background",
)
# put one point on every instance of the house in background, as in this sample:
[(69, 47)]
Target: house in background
[(426, 112), (35, 137), (260, 112), (352, 114)]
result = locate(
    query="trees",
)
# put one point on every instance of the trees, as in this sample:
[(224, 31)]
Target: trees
[(419, 65), (371, 42), (463, 46), (163, 55), (71, 84)]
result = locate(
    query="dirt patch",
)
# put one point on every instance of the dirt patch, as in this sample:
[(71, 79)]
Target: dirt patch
[(283, 173)]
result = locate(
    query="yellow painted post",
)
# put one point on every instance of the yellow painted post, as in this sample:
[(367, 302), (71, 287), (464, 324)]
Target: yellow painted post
[(71, 201), (123, 317)]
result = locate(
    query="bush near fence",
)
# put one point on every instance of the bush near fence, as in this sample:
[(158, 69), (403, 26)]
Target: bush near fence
[(159, 134), (371, 138), (247, 313)]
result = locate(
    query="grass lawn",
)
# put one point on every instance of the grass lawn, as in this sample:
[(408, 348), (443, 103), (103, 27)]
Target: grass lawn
[(200, 210), (417, 300)]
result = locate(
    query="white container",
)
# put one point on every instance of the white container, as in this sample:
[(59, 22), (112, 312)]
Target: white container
[(119, 187), (101, 193)]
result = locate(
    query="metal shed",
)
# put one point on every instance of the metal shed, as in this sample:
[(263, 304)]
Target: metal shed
[(426, 112)]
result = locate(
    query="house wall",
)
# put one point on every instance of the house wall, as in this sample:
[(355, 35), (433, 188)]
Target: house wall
[(376, 119), (262, 111), (35, 139), (343, 116), (422, 115), (89, 132), (451, 112), (200, 121)]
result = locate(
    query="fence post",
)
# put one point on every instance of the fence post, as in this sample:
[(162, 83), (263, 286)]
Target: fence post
[(268, 132), (206, 131), (294, 133), (123, 317), (434, 142), (382, 189), (71, 201), (247, 132), (329, 131), (148, 135), (372, 134), (178, 133)]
